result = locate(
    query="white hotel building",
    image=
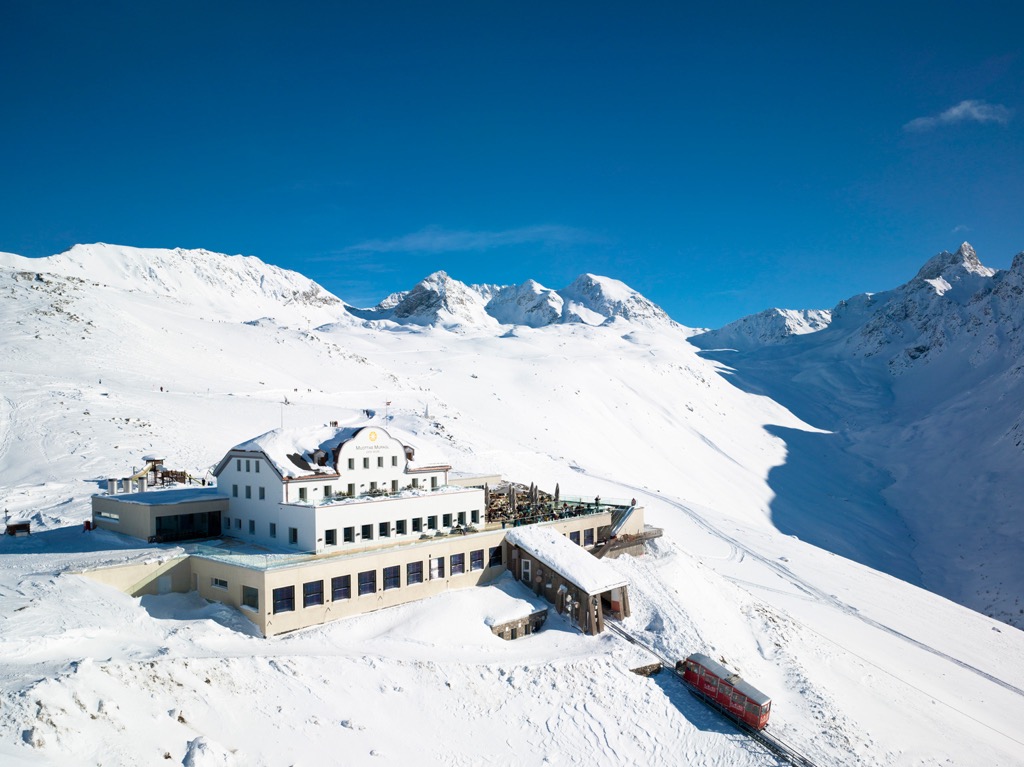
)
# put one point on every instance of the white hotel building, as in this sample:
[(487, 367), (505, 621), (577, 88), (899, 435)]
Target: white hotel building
[(331, 488)]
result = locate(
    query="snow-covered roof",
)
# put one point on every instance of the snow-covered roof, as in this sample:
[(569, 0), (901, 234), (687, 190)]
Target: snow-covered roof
[(508, 600), (169, 497), (292, 450), (283, 446), (571, 561)]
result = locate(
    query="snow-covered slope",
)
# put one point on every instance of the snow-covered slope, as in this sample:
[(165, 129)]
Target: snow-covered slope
[(861, 665), (923, 392), (772, 326)]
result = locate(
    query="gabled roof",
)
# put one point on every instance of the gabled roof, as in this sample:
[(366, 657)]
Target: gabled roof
[(293, 452), (571, 561)]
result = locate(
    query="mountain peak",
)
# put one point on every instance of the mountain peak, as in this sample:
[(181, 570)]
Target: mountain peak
[(964, 260)]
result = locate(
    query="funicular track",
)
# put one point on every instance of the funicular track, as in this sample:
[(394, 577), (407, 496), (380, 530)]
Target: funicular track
[(778, 747)]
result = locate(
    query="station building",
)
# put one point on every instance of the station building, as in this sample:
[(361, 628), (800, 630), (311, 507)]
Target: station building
[(339, 521)]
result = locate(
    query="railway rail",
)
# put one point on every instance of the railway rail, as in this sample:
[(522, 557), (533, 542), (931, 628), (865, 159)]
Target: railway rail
[(773, 744)]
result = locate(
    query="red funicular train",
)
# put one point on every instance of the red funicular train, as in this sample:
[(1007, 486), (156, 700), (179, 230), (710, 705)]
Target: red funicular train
[(725, 690)]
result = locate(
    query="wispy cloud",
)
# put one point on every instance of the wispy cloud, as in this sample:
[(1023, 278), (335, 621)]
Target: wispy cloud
[(437, 240), (970, 110), (959, 228)]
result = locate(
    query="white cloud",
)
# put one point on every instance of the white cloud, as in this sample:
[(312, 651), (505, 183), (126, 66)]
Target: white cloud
[(970, 110), (437, 240), (960, 228)]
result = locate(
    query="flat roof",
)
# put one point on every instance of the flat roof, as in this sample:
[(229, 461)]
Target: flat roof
[(572, 562), (168, 497)]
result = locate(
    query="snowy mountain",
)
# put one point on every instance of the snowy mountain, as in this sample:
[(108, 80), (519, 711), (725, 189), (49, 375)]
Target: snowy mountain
[(442, 301), (807, 490), (921, 390), (772, 326)]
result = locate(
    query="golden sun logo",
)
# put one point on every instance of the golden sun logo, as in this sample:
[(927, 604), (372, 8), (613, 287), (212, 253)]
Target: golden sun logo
[(373, 436)]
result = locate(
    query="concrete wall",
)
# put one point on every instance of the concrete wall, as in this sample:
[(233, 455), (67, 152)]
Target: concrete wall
[(137, 518), (158, 576)]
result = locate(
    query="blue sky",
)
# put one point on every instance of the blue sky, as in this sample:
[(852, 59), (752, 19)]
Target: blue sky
[(719, 160)]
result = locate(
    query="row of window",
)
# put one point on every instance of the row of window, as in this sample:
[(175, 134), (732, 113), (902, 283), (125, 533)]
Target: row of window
[(248, 491), (366, 582), (366, 462), (402, 527), (248, 465)]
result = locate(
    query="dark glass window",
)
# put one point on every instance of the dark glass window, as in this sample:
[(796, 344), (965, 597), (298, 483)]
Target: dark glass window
[(392, 577), (330, 537), (284, 599), (458, 564), (588, 537), (350, 535), (494, 556), (251, 596), (476, 560), (312, 593), (368, 582), (341, 587), (384, 529), (436, 568), (574, 536), (413, 573)]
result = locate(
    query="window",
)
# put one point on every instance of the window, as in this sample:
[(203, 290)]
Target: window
[(413, 573), (446, 520), (436, 568), (331, 537), (474, 516), (368, 582), (366, 463), (384, 529), (341, 587), (312, 593), (394, 460), (476, 560), (252, 527), (248, 491), (234, 491), (462, 518), (238, 464), (400, 527), (238, 523), (227, 522), (417, 525), (263, 492), (302, 493), (367, 532), (574, 536), (394, 486), (392, 577), (494, 556), (415, 481), (526, 570), (273, 529), (293, 535), (218, 583), (433, 482), (588, 537), (432, 523), (257, 466), (373, 487), (458, 564), (284, 599), (351, 491), (248, 466), (251, 595), (380, 462), (349, 535), (351, 463), (328, 491)]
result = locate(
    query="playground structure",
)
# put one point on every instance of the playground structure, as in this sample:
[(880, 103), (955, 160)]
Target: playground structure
[(152, 474)]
